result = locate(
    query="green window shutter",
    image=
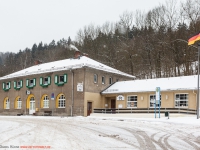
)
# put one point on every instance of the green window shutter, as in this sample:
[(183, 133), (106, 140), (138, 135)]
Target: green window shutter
[(21, 83), (14, 84), (27, 82), (9, 85), (3, 85), (34, 81), (65, 78), (49, 80), (56, 79), (41, 81)]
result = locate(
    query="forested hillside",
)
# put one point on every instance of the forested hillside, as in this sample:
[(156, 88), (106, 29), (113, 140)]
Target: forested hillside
[(147, 45)]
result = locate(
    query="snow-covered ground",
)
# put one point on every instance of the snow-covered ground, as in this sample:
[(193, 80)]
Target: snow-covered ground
[(99, 133)]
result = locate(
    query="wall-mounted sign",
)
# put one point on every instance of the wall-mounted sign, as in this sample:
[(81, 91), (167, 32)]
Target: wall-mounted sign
[(120, 97), (28, 92), (52, 96), (157, 93), (80, 87), (120, 106)]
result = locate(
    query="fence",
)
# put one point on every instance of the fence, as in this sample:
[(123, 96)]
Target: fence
[(143, 110)]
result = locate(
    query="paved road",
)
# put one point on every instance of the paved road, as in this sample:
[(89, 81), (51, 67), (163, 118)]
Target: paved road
[(80, 133)]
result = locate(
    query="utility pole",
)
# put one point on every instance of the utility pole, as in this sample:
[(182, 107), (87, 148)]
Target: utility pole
[(198, 84)]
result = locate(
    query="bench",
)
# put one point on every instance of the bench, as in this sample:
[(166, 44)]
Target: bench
[(47, 113), (19, 114)]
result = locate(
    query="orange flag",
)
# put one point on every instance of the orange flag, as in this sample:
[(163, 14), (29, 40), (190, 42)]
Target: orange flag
[(193, 39)]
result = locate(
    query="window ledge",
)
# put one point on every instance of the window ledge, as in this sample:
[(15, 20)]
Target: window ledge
[(60, 83)]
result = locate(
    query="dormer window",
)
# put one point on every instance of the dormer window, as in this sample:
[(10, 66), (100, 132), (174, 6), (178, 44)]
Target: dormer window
[(6, 86), (95, 78), (30, 83), (103, 80), (110, 80), (60, 79), (18, 84), (44, 82)]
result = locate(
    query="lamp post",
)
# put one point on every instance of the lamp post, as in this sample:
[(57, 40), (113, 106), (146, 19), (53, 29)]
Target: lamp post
[(198, 83)]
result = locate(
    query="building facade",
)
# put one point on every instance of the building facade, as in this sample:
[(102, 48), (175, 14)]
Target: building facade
[(175, 93), (68, 87)]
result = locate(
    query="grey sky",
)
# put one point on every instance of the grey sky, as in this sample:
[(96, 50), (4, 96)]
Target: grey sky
[(25, 22)]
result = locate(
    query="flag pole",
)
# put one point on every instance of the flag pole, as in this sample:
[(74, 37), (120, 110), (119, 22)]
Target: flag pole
[(198, 84)]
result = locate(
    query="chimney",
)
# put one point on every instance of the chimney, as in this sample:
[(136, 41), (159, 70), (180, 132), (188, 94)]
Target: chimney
[(37, 62), (77, 54)]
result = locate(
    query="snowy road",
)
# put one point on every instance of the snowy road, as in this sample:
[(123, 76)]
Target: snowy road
[(87, 133)]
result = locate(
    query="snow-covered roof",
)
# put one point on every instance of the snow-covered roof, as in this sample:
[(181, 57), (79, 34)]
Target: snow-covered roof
[(66, 64), (149, 85)]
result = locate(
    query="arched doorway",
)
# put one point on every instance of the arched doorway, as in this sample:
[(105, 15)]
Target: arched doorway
[(31, 104)]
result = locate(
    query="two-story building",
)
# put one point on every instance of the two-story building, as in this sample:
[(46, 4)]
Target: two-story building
[(67, 87)]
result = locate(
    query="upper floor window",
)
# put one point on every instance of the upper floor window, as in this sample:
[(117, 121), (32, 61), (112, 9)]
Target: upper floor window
[(44, 82), (103, 80), (110, 80), (30, 83), (95, 78), (181, 100), (6, 86), (18, 84), (60, 79), (132, 101)]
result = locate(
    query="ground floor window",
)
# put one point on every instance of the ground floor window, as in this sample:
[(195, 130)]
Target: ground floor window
[(152, 99), (7, 103), (61, 101), (132, 101), (181, 100), (46, 102), (19, 103)]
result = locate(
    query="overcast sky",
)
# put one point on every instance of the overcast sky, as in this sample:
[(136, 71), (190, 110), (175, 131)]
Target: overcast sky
[(25, 22)]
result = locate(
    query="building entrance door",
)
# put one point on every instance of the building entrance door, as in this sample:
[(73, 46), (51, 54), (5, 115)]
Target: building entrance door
[(89, 108), (113, 105), (32, 106)]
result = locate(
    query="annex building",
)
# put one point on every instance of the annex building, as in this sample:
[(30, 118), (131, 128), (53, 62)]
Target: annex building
[(67, 87), (178, 94)]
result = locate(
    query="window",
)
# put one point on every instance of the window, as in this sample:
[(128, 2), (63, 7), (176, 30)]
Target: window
[(46, 102), (103, 80), (152, 101), (44, 82), (110, 80), (60, 79), (30, 83), (18, 84), (132, 101), (95, 78), (19, 103), (7, 104), (6, 86), (181, 100), (61, 101)]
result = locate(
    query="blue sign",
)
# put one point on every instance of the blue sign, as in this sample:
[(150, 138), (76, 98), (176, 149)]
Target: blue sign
[(52, 96)]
